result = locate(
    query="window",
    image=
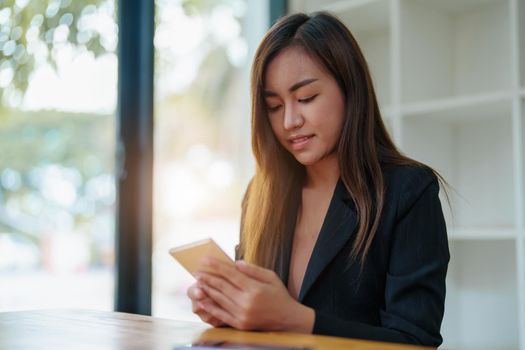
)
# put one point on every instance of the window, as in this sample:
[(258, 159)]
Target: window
[(202, 139), (58, 81)]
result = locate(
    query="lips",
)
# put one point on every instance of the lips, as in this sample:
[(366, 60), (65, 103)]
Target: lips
[(299, 138), (299, 142)]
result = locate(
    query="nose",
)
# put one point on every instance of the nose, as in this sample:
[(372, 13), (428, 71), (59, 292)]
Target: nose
[(292, 118)]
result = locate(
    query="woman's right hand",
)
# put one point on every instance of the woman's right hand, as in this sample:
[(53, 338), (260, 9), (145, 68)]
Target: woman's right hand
[(198, 296)]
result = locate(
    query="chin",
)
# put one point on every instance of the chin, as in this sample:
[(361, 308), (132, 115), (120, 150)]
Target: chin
[(306, 161), (312, 158)]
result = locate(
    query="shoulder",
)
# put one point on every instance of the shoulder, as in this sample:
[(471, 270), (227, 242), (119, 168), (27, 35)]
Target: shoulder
[(409, 176), (406, 184)]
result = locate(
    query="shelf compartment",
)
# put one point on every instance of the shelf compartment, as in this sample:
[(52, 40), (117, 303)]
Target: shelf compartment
[(389, 124), (482, 234), (521, 42), (520, 150), (369, 23), (387, 112), (475, 156), (462, 108), (481, 295), (336, 6), (454, 48)]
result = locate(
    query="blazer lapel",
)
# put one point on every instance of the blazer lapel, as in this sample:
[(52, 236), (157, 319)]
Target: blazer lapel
[(338, 226)]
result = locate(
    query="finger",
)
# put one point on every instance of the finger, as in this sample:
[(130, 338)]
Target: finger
[(199, 311), (207, 318), (219, 313), (215, 322), (195, 293), (255, 272), (222, 300), (219, 284), (195, 305), (226, 271)]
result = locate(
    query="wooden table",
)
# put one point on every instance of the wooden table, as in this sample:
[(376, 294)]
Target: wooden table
[(81, 329)]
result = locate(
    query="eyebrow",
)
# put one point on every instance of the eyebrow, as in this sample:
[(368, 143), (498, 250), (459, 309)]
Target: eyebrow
[(296, 86)]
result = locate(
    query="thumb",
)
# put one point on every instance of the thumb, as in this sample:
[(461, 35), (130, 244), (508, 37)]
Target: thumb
[(256, 272)]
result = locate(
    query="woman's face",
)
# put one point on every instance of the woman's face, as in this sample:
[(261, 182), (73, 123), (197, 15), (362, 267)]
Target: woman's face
[(305, 106)]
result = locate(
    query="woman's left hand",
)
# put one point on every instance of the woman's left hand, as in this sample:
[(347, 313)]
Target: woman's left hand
[(249, 297)]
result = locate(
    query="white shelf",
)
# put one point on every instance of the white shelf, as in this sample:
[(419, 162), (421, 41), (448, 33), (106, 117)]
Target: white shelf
[(521, 40), (336, 6), (446, 73), (482, 234), (375, 47), (458, 6), (481, 304), (387, 112), (364, 16), (475, 157), (369, 23), (445, 50), (463, 108)]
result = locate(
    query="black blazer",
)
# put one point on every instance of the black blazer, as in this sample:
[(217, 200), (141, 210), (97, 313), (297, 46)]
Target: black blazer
[(399, 295)]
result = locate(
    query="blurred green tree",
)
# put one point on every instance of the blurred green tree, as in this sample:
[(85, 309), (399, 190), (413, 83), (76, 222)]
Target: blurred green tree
[(32, 30)]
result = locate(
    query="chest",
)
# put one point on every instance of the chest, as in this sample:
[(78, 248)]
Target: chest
[(310, 218)]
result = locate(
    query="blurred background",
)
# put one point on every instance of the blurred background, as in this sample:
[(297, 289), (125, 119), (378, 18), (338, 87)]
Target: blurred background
[(58, 79), (58, 84), (450, 78)]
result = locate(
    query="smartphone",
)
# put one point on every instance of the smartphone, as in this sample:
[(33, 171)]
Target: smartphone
[(190, 255)]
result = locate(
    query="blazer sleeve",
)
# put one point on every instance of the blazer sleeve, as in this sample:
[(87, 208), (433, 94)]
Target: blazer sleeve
[(415, 279)]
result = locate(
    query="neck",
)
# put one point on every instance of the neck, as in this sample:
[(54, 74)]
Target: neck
[(323, 174)]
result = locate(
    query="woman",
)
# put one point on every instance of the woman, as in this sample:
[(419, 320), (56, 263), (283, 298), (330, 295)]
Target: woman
[(341, 234)]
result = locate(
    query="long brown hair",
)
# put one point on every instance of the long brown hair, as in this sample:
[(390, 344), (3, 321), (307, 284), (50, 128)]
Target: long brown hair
[(364, 150)]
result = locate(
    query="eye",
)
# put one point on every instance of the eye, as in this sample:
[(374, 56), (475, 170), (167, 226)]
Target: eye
[(274, 109), (307, 99)]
